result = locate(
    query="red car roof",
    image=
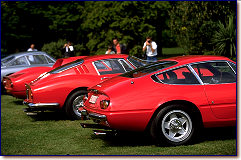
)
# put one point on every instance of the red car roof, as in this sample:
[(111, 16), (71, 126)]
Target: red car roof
[(195, 58), (105, 56)]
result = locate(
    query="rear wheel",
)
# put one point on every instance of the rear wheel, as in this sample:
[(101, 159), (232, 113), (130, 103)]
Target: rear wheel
[(73, 103), (174, 125)]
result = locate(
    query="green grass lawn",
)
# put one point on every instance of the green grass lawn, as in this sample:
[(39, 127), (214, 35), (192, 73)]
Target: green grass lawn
[(53, 134)]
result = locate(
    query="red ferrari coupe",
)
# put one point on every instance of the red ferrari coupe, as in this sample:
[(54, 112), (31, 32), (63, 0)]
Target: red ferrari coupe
[(171, 99), (64, 87), (15, 83)]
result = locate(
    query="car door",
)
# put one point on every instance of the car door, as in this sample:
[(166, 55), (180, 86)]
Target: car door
[(220, 87)]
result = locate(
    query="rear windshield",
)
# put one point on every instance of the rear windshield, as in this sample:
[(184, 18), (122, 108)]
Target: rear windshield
[(136, 61), (5, 60), (67, 66), (153, 67)]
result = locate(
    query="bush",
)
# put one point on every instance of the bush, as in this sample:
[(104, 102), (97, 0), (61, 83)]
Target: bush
[(54, 48), (136, 51), (224, 38)]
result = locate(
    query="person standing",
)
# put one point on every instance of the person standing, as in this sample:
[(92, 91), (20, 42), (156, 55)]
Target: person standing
[(68, 50), (150, 47), (117, 47), (32, 48)]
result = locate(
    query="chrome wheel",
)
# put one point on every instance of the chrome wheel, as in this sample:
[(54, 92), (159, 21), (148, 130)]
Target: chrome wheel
[(176, 125), (78, 103)]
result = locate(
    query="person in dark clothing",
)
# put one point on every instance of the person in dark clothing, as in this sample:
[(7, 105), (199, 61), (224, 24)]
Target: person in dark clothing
[(117, 47), (68, 50)]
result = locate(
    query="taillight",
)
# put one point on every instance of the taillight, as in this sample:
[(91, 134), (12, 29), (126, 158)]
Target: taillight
[(29, 94), (104, 104), (7, 83)]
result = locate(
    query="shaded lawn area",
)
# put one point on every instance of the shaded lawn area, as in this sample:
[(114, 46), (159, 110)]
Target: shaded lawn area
[(53, 134)]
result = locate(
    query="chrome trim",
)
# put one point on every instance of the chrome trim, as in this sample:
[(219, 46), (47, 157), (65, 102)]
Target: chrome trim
[(93, 63), (41, 105), (231, 66), (97, 116), (185, 65), (189, 64), (195, 74), (124, 61), (83, 112), (105, 78), (137, 59)]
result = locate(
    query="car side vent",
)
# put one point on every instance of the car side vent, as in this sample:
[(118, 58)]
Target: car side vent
[(155, 79)]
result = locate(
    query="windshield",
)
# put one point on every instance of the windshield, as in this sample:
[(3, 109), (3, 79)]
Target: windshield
[(153, 67), (7, 59), (67, 66), (136, 61)]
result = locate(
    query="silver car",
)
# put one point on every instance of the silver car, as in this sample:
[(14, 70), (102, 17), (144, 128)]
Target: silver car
[(18, 61)]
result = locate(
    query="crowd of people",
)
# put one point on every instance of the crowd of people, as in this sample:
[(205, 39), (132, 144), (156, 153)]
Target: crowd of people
[(149, 49)]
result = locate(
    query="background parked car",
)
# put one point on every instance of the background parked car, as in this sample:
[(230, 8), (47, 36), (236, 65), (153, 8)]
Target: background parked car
[(15, 83), (172, 99), (19, 61), (66, 86)]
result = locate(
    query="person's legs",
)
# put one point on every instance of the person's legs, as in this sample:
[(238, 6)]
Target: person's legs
[(151, 59)]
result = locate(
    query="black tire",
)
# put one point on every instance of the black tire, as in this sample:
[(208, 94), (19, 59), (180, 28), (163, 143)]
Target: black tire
[(175, 125), (75, 101)]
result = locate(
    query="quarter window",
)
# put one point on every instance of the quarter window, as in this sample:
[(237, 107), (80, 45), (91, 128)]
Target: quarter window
[(109, 66), (215, 72), (178, 76), (49, 60)]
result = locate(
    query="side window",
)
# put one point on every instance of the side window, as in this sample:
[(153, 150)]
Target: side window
[(126, 65), (233, 65), (49, 60), (37, 59), (215, 72), (178, 76), (100, 65), (108, 66), (19, 61)]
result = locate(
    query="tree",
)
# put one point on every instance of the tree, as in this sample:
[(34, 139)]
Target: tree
[(194, 21), (224, 39), (130, 21)]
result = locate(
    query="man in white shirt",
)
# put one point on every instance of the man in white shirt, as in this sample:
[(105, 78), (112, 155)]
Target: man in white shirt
[(151, 50), (32, 48)]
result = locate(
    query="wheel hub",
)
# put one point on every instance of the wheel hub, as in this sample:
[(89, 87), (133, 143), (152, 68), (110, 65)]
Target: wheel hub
[(175, 125)]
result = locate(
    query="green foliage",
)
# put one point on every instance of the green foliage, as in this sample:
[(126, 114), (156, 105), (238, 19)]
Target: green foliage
[(192, 22), (224, 38), (129, 21), (54, 48), (137, 51)]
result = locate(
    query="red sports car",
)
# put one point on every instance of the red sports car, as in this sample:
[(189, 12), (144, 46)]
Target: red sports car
[(64, 87), (15, 83), (171, 99)]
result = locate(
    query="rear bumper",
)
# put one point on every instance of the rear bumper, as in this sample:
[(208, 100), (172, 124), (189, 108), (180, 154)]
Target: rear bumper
[(94, 116), (34, 107)]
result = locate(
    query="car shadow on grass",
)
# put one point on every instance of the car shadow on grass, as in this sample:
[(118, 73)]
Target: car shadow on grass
[(142, 139), (49, 116), (18, 102)]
